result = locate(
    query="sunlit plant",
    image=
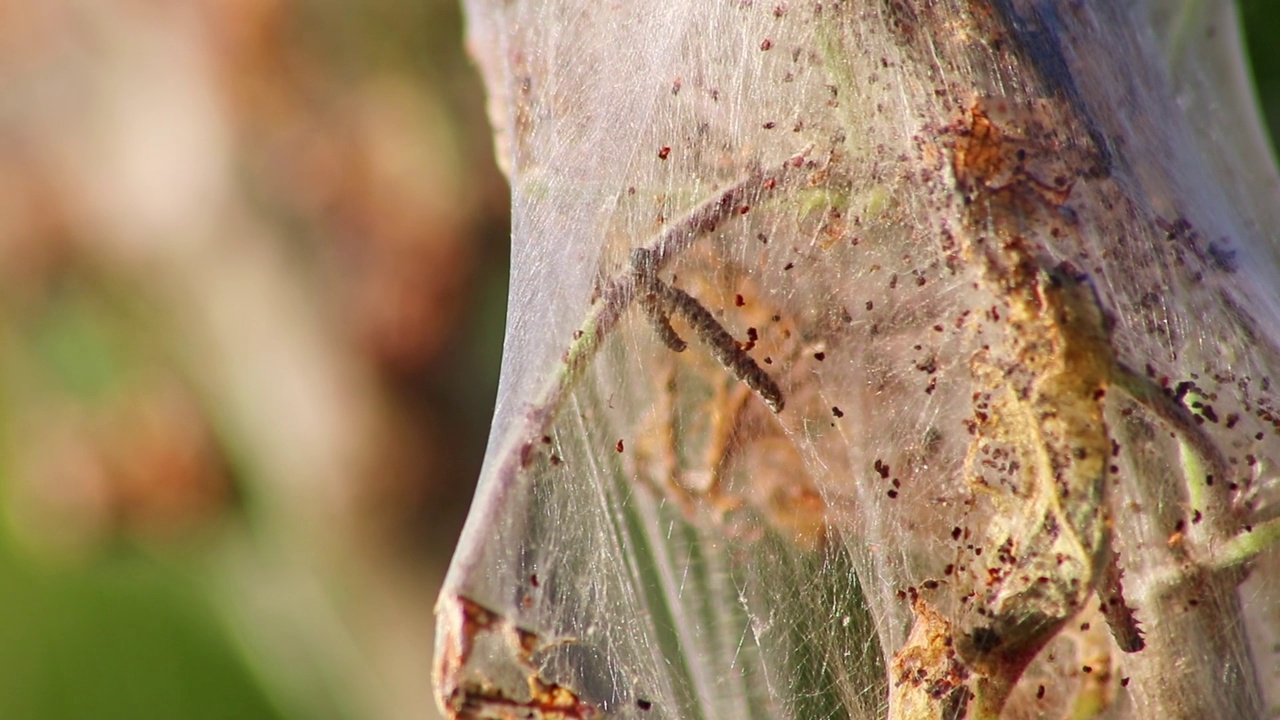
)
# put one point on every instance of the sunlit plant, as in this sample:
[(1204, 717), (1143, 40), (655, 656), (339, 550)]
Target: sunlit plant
[(874, 359)]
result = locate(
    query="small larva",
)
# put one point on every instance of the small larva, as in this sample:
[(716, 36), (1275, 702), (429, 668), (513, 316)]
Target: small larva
[(659, 300)]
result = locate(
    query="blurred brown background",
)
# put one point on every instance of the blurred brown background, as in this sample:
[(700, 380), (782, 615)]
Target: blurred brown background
[(252, 281)]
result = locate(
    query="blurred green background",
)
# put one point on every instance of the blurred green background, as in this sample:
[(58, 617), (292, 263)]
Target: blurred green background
[(253, 259)]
